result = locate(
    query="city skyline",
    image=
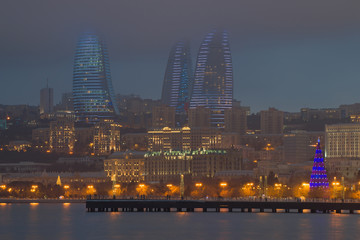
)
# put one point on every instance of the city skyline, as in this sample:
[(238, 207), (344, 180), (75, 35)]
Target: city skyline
[(273, 54)]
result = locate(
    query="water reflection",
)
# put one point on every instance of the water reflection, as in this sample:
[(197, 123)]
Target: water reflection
[(71, 221)]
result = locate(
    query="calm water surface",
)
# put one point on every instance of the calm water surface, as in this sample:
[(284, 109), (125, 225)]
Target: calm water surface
[(71, 221)]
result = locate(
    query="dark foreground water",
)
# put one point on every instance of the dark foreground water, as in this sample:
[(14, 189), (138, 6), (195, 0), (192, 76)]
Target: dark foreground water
[(71, 221)]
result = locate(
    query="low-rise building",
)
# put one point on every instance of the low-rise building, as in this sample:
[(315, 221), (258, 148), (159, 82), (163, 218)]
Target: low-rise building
[(168, 166), (125, 167)]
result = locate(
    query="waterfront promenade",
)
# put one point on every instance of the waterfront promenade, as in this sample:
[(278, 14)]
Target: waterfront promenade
[(161, 205), (41, 200)]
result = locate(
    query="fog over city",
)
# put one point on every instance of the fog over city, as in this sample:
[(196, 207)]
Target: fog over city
[(285, 54)]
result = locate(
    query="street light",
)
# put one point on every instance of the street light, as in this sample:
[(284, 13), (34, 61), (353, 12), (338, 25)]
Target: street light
[(223, 184)]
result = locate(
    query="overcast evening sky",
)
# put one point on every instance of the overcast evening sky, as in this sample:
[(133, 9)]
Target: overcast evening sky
[(286, 54)]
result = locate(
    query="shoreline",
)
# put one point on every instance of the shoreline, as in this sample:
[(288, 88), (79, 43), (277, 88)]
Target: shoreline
[(26, 200)]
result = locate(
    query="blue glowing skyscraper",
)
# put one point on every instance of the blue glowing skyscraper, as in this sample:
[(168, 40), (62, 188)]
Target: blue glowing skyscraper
[(92, 86), (178, 78), (213, 83)]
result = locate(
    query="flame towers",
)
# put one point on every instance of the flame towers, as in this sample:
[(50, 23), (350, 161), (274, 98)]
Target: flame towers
[(213, 83), (92, 85), (178, 78)]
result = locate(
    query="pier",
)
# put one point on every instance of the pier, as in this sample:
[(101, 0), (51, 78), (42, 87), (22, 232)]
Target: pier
[(130, 205)]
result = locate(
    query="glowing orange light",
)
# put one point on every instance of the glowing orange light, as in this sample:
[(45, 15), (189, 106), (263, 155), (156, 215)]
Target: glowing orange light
[(66, 186), (169, 185), (90, 187), (117, 185), (223, 184), (3, 187), (198, 184), (34, 186), (141, 185), (34, 204), (7, 118)]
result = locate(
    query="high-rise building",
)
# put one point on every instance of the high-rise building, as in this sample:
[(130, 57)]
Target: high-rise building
[(199, 117), (177, 84), (93, 94), (185, 138), (106, 137), (66, 102), (299, 145), (342, 149), (213, 83), (62, 135), (163, 116), (236, 120), (272, 121), (46, 100)]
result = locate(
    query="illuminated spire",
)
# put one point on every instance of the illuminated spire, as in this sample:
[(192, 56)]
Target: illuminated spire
[(58, 181)]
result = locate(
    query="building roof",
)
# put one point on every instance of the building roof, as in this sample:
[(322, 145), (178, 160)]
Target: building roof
[(128, 154)]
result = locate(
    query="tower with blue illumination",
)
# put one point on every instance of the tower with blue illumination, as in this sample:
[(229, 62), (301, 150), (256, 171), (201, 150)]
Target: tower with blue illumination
[(92, 86), (178, 78), (213, 83), (318, 178)]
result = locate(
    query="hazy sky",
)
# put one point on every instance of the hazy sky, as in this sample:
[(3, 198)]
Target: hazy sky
[(286, 54)]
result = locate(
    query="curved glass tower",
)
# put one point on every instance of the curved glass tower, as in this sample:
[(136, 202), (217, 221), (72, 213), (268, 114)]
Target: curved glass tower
[(92, 87), (213, 84), (178, 77)]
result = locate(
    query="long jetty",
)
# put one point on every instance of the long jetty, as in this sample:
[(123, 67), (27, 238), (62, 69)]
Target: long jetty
[(136, 205)]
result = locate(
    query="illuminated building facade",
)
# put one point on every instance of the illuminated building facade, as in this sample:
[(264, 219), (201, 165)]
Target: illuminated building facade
[(177, 84), (40, 138), (93, 94), (106, 137), (169, 165), (62, 136), (342, 149), (125, 167), (213, 83), (167, 139), (342, 141)]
